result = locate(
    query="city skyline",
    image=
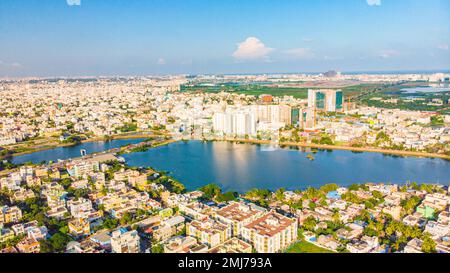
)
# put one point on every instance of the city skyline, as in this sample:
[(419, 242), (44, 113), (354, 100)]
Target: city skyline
[(88, 37)]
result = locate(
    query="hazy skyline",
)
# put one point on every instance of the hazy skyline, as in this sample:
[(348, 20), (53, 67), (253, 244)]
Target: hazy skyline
[(99, 37)]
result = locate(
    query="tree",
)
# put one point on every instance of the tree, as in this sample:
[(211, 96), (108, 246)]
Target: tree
[(326, 140), (56, 243), (377, 194), (329, 187), (210, 191), (336, 217), (428, 245), (226, 197), (410, 204), (310, 223), (279, 194), (157, 248), (127, 218), (257, 194), (313, 193), (66, 182), (109, 223), (351, 197)]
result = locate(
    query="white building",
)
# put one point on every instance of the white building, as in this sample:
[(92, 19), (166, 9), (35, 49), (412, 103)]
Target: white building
[(125, 241)]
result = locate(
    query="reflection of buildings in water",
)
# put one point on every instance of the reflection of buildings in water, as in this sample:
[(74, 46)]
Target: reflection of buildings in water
[(233, 162)]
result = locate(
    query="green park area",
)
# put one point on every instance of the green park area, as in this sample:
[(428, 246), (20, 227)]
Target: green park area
[(306, 247), (257, 90)]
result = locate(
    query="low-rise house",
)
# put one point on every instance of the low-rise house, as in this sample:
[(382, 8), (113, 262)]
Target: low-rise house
[(363, 194), (80, 184), (102, 238), (323, 214), (79, 227), (384, 189), (414, 220), (413, 246), (5, 234), (138, 180), (327, 241), (21, 195), (444, 218), (391, 200), (168, 228), (394, 211), (123, 241), (31, 229), (309, 236), (179, 244), (28, 245), (338, 204), (354, 209), (59, 212), (10, 214), (304, 214), (85, 246), (443, 247), (436, 229), (365, 245), (437, 201), (351, 231)]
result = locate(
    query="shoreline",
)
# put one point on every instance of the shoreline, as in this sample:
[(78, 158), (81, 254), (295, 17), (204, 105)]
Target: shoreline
[(93, 139), (336, 147), (250, 141)]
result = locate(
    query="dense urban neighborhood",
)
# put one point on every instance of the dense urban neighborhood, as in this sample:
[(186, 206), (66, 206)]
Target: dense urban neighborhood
[(97, 203), (40, 114)]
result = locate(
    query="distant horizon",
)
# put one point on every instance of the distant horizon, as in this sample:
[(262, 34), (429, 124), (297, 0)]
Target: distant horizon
[(381, 72)]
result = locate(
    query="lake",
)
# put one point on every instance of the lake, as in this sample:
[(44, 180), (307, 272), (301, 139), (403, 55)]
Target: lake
[(73, 151), (436, 88), (241, 167)]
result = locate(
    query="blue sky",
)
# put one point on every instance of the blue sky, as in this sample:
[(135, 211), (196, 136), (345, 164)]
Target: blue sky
[(142, 37)]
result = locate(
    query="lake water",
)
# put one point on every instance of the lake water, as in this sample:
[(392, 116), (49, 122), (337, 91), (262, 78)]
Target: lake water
[(428, 89), (240, 167), (73, 151)]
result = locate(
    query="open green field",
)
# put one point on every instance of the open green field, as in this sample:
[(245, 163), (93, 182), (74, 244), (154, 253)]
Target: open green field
[(306, 247), (257, 90), (404, 102), (299, 93)]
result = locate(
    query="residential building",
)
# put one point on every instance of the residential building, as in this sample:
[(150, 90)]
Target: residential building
[(123, 241), (271, 232)]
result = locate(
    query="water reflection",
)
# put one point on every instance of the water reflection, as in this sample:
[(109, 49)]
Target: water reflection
[(240, 167)]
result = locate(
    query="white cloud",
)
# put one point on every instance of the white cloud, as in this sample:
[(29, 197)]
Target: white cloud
[(386, 54), (443, 46), (300, 53), (73, 2), (252, 49), (14, 65), (331, 58), (186, 62), (374, 2), (161, 61)]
